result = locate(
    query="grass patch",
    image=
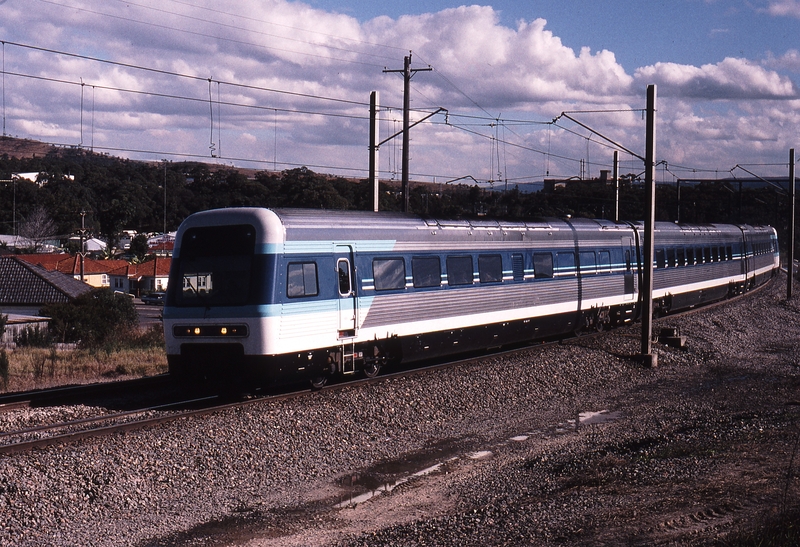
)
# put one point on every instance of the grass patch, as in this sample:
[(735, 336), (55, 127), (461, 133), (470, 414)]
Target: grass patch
[(132, 356)]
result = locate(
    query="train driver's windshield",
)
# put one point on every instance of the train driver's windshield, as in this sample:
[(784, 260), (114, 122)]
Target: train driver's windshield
[(214, 266)]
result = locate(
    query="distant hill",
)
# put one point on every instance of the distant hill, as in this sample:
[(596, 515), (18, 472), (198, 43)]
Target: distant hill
[(24, 148)]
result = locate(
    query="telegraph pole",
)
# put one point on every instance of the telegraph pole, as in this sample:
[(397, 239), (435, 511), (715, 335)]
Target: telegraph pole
[(408, 72), (82, 232)]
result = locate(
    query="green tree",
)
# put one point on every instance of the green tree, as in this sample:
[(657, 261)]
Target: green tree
[(94, 319), (139, 247)]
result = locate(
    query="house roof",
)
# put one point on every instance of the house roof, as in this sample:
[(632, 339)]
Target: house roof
[(71, 264), (158, 267), (26, 284)]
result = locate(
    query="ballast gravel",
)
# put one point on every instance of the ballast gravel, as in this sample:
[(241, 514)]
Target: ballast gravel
[(567, 444)]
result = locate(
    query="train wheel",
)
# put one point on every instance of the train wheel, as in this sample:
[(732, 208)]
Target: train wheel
[(318, 382), (371, 370)]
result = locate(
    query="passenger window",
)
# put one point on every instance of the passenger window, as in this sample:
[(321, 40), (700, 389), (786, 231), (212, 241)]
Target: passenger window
[(660, 259), (681, 257), (490, 268), (343, 268), (730, 252), (518, 266), (604, 261), (301, 279), (389, 273), (565, 263), (427, 271), (690, 256), (588, 262), (671, 257), (459, 270), (542, 265)]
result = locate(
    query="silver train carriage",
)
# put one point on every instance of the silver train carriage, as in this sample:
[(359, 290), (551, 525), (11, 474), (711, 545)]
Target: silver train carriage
[(262, 295)]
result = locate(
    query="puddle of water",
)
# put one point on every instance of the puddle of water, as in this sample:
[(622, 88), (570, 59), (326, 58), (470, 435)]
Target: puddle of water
[(376, 487), (601, 417), (386, 488)]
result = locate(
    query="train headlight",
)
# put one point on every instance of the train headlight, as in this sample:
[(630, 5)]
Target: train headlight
[(210, 331)]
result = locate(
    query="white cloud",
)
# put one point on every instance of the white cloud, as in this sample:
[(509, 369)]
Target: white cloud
[(785, 8), (525, 72), (729, 79), (788, 61)]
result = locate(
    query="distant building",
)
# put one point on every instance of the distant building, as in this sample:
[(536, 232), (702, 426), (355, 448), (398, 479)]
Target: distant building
[(95, 272), (26, 287), (141, 278)]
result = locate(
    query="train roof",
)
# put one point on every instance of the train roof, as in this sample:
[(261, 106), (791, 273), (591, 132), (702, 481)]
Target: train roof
[(279, 226)]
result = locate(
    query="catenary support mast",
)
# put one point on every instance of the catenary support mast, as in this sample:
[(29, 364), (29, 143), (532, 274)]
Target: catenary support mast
[(408, 72), (646, 290)]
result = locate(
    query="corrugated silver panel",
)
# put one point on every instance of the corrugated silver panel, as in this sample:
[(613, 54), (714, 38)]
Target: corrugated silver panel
[(429, 305)]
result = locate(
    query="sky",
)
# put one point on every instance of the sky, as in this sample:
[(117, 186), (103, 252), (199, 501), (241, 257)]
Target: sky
[(277, 84)]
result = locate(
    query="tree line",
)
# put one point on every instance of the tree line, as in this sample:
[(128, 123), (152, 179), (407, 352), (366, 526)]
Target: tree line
[(118, 194)]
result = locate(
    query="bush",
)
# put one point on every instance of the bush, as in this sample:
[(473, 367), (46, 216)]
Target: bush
[(34, 337), (4, 368), (99, 318)]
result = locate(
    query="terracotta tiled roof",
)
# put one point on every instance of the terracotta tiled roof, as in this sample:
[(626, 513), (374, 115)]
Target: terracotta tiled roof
[(71, 264), (158, 267), (26, 284)]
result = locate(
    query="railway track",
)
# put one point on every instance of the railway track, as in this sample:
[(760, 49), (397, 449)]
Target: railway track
[(96, 419)]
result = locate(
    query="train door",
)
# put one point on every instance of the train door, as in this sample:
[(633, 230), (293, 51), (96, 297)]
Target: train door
[(347, 293), (628, 257), (347, 307)]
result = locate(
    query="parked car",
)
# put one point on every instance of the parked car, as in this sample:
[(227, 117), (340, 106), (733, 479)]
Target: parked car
[(155, 298)]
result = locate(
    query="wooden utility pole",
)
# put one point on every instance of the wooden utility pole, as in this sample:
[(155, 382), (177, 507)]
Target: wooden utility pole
[(408, 72), (646, 290)]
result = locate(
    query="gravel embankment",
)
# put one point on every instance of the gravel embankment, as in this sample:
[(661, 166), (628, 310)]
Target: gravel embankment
[(696, 448)]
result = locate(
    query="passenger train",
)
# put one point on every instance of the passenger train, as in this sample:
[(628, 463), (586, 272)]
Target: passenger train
[(264, 295)]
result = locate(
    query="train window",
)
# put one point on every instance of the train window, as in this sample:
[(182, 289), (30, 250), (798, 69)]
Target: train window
[(690, 256), (301, 279), (565, 263), (604, 261), (490, 268), (518, 266), (628, 260), (671, 258), (707, 255), (427, 271), (681, 256), (660, 258), (343, 269), (459, 270), (729, 250), (715, 254), (542, 265), (389, 273), (588, 262)]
